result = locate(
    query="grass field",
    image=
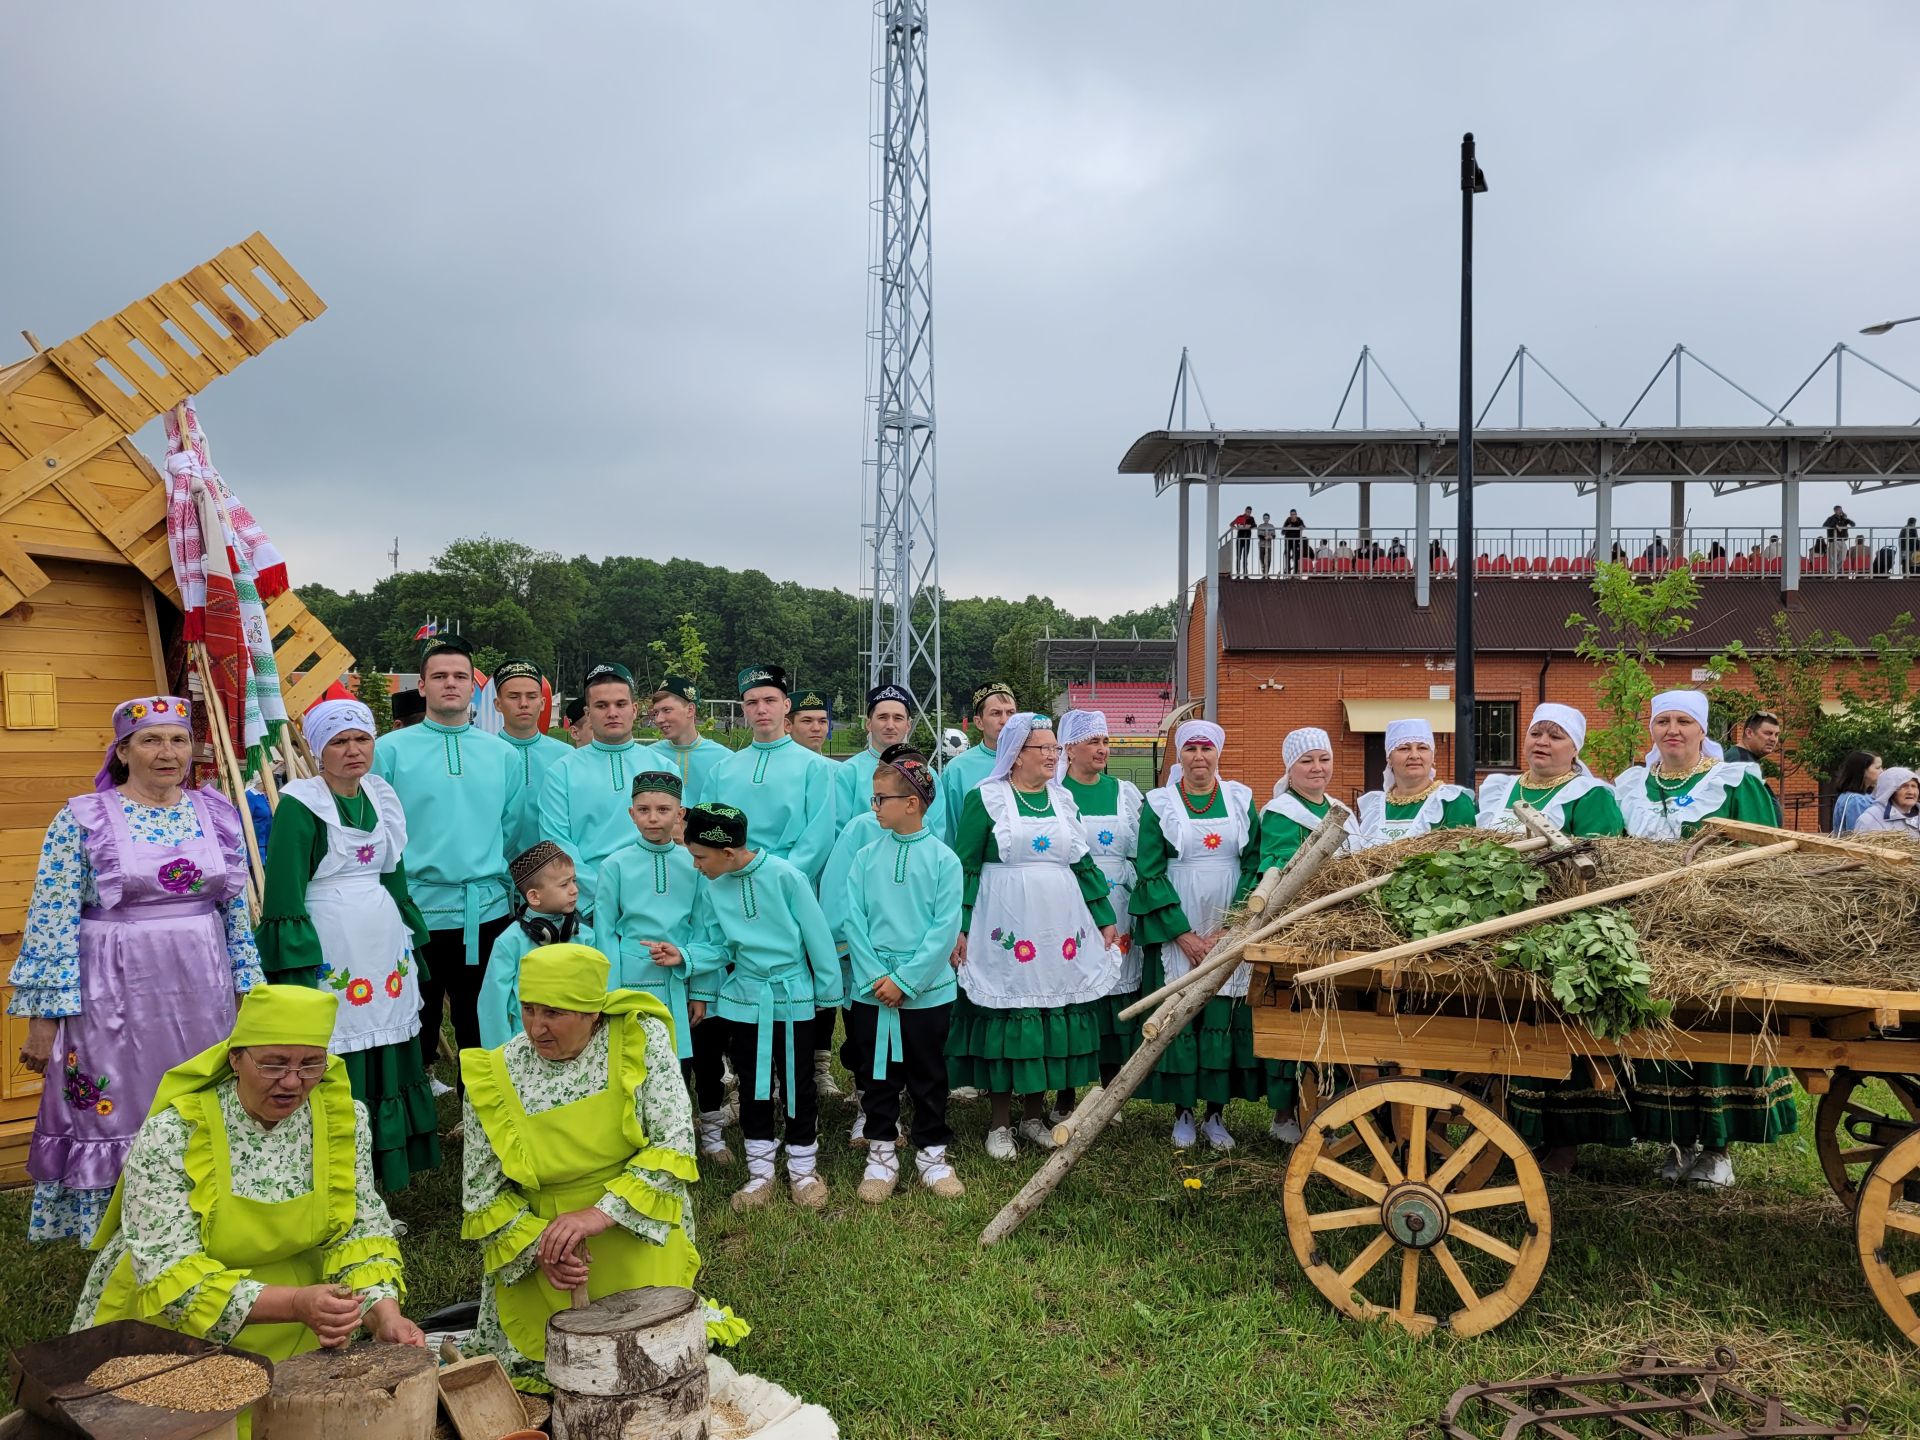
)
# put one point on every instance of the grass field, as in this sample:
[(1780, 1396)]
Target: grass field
[(1134, 1306)]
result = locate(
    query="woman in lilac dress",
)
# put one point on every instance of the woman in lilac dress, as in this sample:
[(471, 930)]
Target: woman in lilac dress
[(137, 942)]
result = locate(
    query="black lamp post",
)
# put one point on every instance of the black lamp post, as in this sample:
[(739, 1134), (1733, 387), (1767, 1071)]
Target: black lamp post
[(1472, 183)]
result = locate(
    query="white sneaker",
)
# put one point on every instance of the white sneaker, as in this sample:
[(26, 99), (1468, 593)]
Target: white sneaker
[(1287, 1131), (1000, 1144), (1713, 1170), (1184, 1133), (1038, 1133), (1058, 1117), (962, 1094), (1678, 1164), (1215, 1130), (438, 1086)]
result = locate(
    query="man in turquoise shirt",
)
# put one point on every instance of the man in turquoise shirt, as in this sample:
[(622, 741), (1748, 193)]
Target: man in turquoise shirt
[(889, 720), (519, 691), (993, 706), (682, 748), (460, 789), (783, 788), (584, 803)]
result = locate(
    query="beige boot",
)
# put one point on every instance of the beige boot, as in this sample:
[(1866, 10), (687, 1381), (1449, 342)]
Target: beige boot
[(883, 1173), (760, 1189), (936, 1174), (809, 1190)]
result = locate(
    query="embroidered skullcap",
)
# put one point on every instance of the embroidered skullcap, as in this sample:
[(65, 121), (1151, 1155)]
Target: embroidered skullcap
[(889, 691), (605, 672), (525, 867), (332, 718), (142, 713), (445, 645), (981, 693), (755, 676), (1687, 702), (1303, 741), (1400, 732), (679, 686), (1013, 739), (1203, 731), (656, 782), (574, 977), (720, 826), (408, 705), (516, 670), (813, 700), (911, 766), (1074, 727)]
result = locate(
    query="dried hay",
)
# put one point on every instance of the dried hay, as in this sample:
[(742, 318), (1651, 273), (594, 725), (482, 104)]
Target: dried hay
[(1806, 917)]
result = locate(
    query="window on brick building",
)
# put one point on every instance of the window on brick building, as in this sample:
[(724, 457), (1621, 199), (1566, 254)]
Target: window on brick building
[(1495, 734)]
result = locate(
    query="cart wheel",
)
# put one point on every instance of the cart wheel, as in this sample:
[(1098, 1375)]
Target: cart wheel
[(1853, 1129), (1487, 1246), (1446, 1132), (1886, 1225)]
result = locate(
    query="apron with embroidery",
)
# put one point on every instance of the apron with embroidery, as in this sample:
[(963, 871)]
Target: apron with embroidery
[(1033, 943), (1204, 872), (364, 942), (1112, 840)]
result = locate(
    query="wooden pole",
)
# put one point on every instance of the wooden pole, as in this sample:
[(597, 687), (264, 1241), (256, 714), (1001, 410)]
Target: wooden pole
[(1099, 1108), (1301, 912), (1263, 892), (229, 766), (1550, 911)]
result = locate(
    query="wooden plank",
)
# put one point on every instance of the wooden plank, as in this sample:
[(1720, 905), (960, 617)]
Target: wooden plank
[(285, 609), (208, 286), (1862, 1023), (195, 372), (282, 316), (137, 518), (288, 278), (176, 301), (113, 339), (1887, 857), (156, 647), (68, 739), (50, 414), (130, 667), (294, 652), (306, 693), (14, 638), (46, 466), (45, 541), (80, 361), (1784, 996), (26, 577), (21, 432)]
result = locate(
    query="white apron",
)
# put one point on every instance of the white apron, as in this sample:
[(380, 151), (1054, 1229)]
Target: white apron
[(1377, 829), (1032, 942), (364, 943), (1204, 869), (1113, 841)]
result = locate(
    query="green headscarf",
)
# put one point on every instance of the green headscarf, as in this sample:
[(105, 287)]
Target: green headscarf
[(574, 977)]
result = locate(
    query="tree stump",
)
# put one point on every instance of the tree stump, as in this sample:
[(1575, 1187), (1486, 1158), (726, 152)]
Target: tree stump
[(630, 1366), (367, 1389)]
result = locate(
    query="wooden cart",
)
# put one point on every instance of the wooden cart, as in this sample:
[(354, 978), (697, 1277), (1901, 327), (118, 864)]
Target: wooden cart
[(1412, 1199)]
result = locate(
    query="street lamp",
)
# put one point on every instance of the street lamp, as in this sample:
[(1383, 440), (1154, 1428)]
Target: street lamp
[(1886, 325), (1472, 182)]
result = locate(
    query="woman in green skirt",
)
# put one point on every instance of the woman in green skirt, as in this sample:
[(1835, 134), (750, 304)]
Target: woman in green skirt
[(336, 915), (1699, 1109), (1559, 1116), (1038, 950), (1197, 834)]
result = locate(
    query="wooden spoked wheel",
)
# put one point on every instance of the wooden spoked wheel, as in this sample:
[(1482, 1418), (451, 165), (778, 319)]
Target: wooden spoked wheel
[(1406, 1243), (1857, 1123), (1446, 1132), (1886, 1226)]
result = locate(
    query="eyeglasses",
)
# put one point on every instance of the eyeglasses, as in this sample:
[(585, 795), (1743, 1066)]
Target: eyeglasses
[(877, 801), (1040, 749), (312, 1070)]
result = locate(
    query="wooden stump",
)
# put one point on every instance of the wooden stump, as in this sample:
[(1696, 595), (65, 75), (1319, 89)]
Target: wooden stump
[(630, 1366), (365, 1389)]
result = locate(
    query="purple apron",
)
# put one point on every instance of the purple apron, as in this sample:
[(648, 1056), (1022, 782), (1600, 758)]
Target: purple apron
[(156, 985)]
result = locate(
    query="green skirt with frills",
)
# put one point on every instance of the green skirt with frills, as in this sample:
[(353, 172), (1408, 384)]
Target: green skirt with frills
[(1025, 1051)]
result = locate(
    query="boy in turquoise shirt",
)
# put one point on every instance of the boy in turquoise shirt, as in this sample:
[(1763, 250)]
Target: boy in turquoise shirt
[(644, 918), (546, 915), (759, 913), (903, 917)]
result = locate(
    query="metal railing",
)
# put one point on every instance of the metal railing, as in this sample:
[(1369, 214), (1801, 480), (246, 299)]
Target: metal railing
[(1863, 552)]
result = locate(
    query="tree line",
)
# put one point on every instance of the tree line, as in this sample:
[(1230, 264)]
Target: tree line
[(671, 616)]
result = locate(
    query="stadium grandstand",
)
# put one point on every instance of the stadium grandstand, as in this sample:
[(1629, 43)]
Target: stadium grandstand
[(1130, 679)]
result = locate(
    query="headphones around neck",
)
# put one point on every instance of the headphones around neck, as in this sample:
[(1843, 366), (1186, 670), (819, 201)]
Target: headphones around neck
[(543, 931)]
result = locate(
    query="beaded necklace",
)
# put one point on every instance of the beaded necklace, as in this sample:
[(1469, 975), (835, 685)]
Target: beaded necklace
[(1418, 796), (1040, 807), (1672, 785), (1206, 801), (1540, 787)]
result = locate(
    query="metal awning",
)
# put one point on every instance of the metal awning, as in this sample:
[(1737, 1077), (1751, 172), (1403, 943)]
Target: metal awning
[(1373, 716)]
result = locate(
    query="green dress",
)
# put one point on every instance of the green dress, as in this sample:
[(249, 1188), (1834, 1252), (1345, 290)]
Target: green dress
[(1027, 1018), (1550, 1114), (1195, 863), (388, 1078), (1709, 1105)]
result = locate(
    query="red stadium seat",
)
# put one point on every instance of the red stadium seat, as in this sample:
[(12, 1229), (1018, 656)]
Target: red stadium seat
[(1639, 565), (1539, 565)]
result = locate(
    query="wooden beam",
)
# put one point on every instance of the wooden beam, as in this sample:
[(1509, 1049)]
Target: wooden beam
[(1887, 856), (1862, 1023), (40, 470)]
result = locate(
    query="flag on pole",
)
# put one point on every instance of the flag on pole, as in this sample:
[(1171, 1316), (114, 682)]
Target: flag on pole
[(427, 631)]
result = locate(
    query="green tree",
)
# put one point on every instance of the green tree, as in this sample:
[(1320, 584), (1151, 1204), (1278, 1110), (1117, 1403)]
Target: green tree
[(687, 655), (1016, 663), (376, 693)]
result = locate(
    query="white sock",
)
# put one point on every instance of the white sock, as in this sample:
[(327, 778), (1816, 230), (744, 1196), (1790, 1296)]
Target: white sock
[(932, 1163), (712, 1126), (822, 1062), (800, 1160), (761, 1155), (883, 1161)]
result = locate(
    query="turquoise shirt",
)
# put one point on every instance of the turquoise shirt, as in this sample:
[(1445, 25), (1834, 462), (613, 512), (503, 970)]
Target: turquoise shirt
[(961, 777), (538, 754), (692, 763), (763, 920), (647, 892), (833, 879), (853, 787), (585, 805), (903, 916), (460, 788), (786, 793), (499, 1000)]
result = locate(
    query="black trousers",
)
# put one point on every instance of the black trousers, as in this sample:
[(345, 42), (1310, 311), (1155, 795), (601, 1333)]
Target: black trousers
[(449, 977), (759, 1119), (923, 1073), (705, 1072)]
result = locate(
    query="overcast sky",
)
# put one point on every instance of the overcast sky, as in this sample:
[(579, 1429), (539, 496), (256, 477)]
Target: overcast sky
[(597, 271)]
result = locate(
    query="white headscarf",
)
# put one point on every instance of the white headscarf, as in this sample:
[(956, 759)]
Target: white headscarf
[(1075, 726), (1569, 720), (1303, 741), (1399, 732), (1191, 730), (1013, 739), (1687, 702), (335, 717)]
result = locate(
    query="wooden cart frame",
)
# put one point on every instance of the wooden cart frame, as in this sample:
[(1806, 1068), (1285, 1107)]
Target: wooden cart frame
[(1416, 1163)]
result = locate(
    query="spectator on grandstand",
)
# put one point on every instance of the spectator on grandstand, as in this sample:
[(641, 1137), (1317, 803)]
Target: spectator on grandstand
[(1295, 529), (1266, 533)]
